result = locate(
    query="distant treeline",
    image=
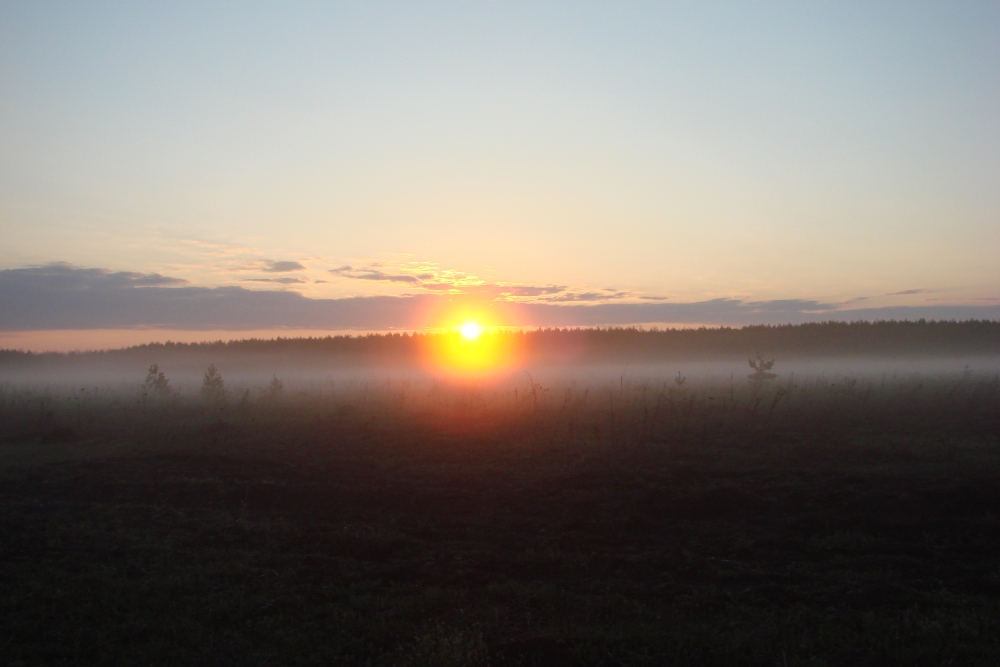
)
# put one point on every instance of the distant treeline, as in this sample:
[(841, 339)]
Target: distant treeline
[(876, 339)]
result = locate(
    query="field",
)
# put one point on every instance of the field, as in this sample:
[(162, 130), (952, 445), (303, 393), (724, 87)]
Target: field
[(635, 521)]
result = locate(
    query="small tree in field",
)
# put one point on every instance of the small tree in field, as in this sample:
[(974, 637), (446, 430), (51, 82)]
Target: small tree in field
[(212, 387), (156, 382), (275, 388), (761, 370)]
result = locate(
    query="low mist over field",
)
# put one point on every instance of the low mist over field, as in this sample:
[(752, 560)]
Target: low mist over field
[(812, 349)]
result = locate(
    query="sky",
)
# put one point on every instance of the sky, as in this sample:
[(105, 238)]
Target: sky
[(240, 167)]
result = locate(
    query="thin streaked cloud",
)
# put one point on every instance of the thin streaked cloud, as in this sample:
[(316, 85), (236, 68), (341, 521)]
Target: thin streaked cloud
[(271, 266), (430, 278), (909, 292), (280, 281)]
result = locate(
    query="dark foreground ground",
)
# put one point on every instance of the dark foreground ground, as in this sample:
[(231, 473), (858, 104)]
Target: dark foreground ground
[(828, 530)]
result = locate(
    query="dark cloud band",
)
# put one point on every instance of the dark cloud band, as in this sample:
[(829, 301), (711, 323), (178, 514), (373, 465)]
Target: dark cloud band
[(60, 296)]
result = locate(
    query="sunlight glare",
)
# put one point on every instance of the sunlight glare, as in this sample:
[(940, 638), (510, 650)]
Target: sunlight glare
[(471, 330)]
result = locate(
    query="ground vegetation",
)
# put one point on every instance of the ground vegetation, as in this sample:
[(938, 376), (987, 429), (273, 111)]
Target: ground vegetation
[(682, 521)]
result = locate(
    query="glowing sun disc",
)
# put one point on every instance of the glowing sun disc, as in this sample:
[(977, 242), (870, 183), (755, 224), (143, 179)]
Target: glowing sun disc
[(471, 330)]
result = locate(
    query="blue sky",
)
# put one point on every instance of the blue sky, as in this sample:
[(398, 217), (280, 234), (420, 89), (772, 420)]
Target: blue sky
[(538, 153)]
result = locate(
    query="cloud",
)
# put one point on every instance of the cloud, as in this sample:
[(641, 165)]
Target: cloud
[(375, 274), (514, 290), (791, 306), (64, 276), (909, 291), (281, 267), (431, 279), (60, 296), (587, 296), (283, 281), (271, 266)]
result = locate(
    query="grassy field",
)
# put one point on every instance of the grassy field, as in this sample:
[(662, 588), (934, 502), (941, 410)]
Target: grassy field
[(852, 521)]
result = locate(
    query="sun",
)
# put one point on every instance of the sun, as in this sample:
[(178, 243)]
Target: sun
[(465, 347), (470, 330)]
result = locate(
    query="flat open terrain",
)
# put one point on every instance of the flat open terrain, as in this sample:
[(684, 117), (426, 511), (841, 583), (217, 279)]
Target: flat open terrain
[(812, 524)]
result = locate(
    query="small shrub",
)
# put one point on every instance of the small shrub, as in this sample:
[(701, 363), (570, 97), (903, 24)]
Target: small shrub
[(761, 370)]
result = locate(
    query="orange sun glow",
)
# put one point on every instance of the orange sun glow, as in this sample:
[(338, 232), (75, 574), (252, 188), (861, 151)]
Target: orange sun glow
[(470, 349)]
